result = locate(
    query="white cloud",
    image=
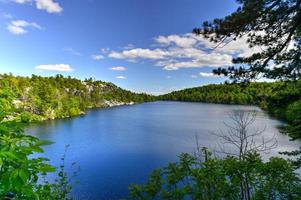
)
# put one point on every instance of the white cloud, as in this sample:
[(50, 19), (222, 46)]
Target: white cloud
[(72, 51), (55, 67), (208, 75), (49, 6), (19, 27), (139, 53), (97, 57), (16, 30), (186, 51), (118, 68), (168, 77), (120, 77), (22, 1), (177, 40), (201, 60)]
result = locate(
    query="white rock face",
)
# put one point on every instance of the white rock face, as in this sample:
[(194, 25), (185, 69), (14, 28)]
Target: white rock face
[(9, 118), (116, 103), (17, 103)]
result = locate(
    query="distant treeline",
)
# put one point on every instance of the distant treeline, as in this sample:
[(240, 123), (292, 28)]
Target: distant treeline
[(281, 99), (38, 98)]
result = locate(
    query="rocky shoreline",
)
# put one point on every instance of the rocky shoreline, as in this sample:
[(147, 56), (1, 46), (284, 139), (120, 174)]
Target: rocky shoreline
[(117, 103), (104, 104)]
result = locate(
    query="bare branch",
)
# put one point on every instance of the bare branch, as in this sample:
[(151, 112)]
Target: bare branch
[(240, 135)]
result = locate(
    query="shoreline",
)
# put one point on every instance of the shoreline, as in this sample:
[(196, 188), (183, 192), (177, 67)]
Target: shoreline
[(107, 104)]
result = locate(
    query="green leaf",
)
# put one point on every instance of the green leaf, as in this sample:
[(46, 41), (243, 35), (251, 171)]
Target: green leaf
[(47, 168), (44, 142), (23, 175)]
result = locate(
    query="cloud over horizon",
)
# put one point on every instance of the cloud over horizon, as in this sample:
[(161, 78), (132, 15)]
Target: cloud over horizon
[(118, 68), (208, 75), (55, 67), (174, 52), (120, 77)]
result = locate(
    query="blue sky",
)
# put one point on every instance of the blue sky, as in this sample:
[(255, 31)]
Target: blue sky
[(141, 45)]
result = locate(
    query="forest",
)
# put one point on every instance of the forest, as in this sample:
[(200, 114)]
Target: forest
[(39, 98)]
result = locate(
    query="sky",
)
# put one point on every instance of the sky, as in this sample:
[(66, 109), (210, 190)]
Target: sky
[(140, 45)]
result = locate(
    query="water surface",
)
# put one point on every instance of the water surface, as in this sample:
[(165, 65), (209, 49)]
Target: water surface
[(118, 146)]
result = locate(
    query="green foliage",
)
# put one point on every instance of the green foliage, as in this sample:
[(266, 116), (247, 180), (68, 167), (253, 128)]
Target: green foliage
[(61, 188), (293, 110), (212, 178), (270, 25), (25, 117), (21, 169), (38, 98), (293, 115), (74, 111)]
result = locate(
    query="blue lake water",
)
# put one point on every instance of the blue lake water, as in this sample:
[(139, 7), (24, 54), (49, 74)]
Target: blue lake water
[(118, 146)]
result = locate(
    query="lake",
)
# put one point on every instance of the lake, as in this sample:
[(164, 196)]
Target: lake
[(118, 146)]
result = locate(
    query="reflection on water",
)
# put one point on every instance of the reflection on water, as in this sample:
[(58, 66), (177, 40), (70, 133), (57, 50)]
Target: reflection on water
[(119, 146)]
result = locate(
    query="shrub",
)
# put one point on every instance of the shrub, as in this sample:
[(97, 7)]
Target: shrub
[(25, 117), (21, 172), (293, 111), (227, 178)]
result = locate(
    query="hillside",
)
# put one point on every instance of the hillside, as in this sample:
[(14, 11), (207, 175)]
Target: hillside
[(280, 99), (39, 98)]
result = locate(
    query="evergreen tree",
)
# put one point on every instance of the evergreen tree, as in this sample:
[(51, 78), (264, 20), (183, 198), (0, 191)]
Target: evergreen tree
[(272, 25)]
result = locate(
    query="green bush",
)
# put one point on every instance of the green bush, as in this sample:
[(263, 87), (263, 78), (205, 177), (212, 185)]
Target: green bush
[(74, 112), (293, 111), (21, 172), (25, 117), (227, 178)]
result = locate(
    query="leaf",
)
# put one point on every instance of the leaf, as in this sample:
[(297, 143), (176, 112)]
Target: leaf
[(47, 168), (23, 175), (44, 142), (37, 149)]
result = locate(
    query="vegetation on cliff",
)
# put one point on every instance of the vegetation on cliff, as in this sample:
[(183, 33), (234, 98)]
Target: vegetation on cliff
[(39, 98)]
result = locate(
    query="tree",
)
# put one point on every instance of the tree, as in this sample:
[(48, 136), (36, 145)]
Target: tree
[(272, 25), (242, 139)]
